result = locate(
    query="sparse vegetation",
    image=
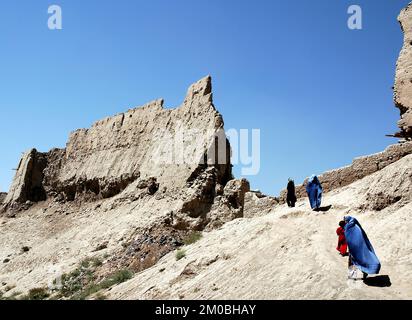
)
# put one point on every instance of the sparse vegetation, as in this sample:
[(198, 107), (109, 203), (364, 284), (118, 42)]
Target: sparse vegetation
[(82, 282), (116, 278), (180, 254), (37, 294), (193, 237), (86, 292), (101, 296), (92, 288), (12, 297), (91, 262)]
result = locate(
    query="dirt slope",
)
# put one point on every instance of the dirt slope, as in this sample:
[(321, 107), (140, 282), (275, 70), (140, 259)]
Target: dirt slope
[(290, 253)]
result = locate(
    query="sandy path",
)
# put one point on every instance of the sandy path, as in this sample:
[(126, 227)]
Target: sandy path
[(288, 254)]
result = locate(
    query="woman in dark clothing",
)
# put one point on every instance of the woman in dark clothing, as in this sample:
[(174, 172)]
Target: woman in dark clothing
[(291, 196)]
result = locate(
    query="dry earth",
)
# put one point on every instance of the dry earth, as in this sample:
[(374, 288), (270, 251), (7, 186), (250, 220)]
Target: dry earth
[(290, 253)]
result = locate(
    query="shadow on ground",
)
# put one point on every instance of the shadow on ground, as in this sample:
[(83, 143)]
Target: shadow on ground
[(324, 209), (378, 281)]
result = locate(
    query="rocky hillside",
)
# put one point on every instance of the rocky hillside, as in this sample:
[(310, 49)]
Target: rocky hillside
[(113, 194), (291, 252), (143, 205)]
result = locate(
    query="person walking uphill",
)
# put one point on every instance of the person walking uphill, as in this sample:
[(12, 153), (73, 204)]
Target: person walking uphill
[(291, 196), (361, 252), (314, 191)]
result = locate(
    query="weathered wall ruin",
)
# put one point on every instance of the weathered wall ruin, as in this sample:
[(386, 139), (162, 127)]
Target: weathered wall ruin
[(403, 80), (3, 196), (360, 168), (183, 152), (27, 184)]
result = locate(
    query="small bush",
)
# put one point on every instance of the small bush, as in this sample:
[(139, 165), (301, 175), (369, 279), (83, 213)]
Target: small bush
[(91, 262), (117, 278), (193, 238), (71, 283), (82, 282), (86, 292), (37, 294), (180, 254), (101, 296)]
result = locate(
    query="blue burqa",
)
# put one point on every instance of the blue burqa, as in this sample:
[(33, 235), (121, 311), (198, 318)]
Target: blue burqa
[(360, 248), (314, 190)]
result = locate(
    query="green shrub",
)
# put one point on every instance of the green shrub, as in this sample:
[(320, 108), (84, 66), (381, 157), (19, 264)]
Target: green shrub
[(91, 262), (193, 238), (81, 283), (87, 291), (101, 296), (117, 278), (37, 294), (180, 254), (71, 283)]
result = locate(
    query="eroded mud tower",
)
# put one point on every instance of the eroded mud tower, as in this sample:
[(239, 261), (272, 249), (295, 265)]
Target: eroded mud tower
[(180, 153), (403, 79)]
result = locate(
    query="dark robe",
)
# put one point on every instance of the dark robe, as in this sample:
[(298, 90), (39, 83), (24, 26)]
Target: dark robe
[(291, 196)]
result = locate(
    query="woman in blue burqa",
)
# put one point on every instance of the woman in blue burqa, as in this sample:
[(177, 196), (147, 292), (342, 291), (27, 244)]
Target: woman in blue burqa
[(314, 191), (361, 252)]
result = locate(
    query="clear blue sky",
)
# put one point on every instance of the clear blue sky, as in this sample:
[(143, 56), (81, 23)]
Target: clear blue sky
[(320, 93)]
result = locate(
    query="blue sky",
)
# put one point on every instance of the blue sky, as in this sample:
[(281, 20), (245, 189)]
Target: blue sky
[(319, 92)]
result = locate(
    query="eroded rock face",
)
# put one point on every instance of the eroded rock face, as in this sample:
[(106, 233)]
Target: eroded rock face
[(142, 143), (392, 186), (28, 181), (403, 80), (182, 154), (3, 196), (257, 204)]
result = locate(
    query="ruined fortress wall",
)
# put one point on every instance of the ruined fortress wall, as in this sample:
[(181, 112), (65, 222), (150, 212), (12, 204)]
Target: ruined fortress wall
[(168, 145), (3, 196), (403, 79), (144, 142), (27, 183), (360, 168)]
